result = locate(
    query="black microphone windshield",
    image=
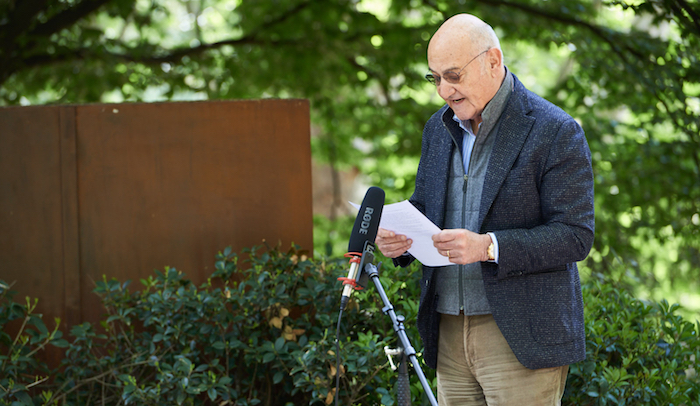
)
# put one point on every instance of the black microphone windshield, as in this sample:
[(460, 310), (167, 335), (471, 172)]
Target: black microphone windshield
[(367, 220)]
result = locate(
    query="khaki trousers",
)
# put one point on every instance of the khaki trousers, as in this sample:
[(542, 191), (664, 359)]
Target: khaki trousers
[(477, 367)]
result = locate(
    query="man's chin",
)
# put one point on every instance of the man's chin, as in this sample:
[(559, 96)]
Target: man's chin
[(463, 110), (463, 115)]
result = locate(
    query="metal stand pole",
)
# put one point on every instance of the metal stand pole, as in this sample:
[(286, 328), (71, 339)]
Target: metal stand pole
[(403, 385), (408, 350)]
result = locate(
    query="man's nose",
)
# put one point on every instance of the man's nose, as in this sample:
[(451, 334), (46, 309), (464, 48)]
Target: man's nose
[(445, 89)]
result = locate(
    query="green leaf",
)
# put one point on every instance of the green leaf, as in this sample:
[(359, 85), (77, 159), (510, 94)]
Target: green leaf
[(279, 344), (361, 361), (387, 400), (39, 324), (268, 357), (60, 343), (212, 394), (181, 397)]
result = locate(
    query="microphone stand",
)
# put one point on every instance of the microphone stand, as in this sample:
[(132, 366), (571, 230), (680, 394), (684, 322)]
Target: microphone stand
[(406, 350)]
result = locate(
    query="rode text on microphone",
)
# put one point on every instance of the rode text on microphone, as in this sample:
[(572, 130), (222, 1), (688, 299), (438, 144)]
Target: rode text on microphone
[(361, 244)]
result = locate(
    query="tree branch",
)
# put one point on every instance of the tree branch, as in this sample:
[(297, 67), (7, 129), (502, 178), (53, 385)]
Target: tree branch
[(20, 19), (694, 18), (283, 17), (68, 17), (177, 54), (598, 31), (11, 65)]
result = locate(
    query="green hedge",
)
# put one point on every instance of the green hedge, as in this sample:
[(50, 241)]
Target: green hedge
[(264, 333)]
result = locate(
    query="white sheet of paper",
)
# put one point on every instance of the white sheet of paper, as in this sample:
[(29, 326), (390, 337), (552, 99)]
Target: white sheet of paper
[(404, 218)]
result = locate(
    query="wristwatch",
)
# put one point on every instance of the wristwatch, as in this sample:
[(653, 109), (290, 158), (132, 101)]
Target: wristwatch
[(489, 253)]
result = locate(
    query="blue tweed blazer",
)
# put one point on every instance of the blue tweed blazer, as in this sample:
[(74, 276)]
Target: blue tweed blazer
[(538, 201)]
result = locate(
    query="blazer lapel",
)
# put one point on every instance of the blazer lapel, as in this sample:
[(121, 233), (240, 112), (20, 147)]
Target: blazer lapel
[(512, 133)]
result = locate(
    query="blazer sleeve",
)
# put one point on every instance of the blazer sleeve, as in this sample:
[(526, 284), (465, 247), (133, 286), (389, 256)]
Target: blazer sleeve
[(558, 172)]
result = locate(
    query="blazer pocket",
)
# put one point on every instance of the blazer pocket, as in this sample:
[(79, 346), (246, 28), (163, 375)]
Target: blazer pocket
[(552, 321)]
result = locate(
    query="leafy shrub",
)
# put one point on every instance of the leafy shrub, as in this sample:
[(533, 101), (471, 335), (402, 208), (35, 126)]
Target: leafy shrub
[(264, 333), (260, 335), (638, 353), (21, 370)]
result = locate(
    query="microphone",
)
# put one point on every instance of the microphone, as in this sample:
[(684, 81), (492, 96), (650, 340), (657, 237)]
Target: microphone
[(362, 238)]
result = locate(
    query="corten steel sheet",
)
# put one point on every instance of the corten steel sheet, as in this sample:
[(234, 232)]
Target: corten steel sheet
[(38, 229), (173, 183), (70, 217), (124, 189)]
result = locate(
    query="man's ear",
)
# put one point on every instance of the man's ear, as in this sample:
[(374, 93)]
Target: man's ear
[(494, 59)]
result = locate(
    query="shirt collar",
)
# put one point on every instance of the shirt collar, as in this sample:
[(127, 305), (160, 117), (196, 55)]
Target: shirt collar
[(493, 108)]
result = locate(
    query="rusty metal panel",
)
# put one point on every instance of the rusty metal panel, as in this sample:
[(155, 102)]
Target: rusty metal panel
[(123, 189), (173, 183), (31, 221), (69, 216)]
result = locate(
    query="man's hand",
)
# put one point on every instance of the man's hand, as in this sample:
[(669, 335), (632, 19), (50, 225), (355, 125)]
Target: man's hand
[(391, 244), (462, 246)]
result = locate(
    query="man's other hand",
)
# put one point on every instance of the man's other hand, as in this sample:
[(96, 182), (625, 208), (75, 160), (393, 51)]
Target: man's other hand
[(392, 245)]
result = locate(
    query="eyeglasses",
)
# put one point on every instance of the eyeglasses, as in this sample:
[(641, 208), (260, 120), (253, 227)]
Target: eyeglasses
[(451, 77)]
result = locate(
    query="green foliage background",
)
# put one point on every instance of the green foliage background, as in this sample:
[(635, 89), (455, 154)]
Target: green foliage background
[(627, 70), (230, 342)]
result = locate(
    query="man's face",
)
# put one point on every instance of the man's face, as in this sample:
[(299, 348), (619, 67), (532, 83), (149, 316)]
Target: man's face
[(469, 96)]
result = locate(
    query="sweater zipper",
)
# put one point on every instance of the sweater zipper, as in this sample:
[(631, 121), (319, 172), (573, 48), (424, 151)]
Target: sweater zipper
[(464, 207), (464, 225), (464, 220)]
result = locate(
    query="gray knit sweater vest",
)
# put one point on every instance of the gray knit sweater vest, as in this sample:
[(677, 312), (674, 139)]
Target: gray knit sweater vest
[(461, 287)]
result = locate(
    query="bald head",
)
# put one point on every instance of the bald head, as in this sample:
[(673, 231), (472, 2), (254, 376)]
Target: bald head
[(465, 32)]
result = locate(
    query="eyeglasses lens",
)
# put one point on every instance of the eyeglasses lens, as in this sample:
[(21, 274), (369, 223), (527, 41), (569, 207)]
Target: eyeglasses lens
[(450, 77)]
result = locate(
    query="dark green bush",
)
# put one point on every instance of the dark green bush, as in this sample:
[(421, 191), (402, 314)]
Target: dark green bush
[(264, 333), (260, 334), (21, 371), (638, 353)]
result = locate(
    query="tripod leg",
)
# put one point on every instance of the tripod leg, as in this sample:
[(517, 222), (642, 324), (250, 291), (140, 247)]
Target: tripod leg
[(403, 386)]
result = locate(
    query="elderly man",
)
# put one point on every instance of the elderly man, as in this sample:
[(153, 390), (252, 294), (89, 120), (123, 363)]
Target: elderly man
[(507, 176)]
